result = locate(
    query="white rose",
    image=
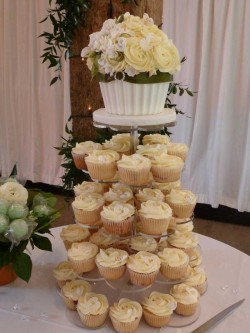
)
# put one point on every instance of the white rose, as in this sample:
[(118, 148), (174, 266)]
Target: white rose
[(14, 192), (166, 57)]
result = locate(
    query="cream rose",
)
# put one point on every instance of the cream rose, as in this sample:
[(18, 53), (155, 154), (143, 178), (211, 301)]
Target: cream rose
[(14, 192)]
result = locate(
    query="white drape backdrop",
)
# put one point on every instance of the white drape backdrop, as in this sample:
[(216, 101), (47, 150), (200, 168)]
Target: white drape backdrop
[(214, 36), (32, 114)]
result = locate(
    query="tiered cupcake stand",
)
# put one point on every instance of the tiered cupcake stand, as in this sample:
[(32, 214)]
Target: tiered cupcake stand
[(123, 288)]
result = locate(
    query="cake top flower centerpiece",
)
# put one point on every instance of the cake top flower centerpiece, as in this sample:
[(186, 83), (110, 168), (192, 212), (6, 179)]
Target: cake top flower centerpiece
[(132, 49)]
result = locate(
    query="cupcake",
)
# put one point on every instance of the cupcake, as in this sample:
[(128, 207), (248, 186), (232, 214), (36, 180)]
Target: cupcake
[(120, 193), (93, 309), (82, 256), (134, 169), (156, 139), (174, 263), (181, 225), (195, 258), (104, 239), (167, 187), (163, 244), (143, 268), (101, 164), (111, 263), (81, 150), (197, 279), (120, 146), (187, 299), (87, 208), (178, 149), (186, 241), (150, 151), (118, 217), (143, 243), (182, 202), (88, 187), (74, 233), (166, 168), (125, 315), (72, 290), (146, 194), (63, 273), (158, 308), (154, 217)]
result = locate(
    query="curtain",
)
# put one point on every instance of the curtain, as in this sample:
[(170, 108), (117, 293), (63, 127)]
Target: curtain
[(214, 37), (33, 114)]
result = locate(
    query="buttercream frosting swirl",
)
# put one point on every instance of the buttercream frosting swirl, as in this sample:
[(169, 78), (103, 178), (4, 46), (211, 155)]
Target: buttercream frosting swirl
[(118, 146), (134, 161), (155, 139), (126, 310), (75, 289), (149, 194), (118, 211), (102, 156), (89, 202), (159, 304), (166, 187), (144, 262), (177, 147), (64, 271), (88, 187), (155, 209), (180, 196), (103, 238), (86, 147), (121, 193), (173, 257), (83, 250), (196, 277), (183, 239), (74, 233), (143, 243), (166, 160), (92, 304), (151, 150), (112, 257), (184, 294)]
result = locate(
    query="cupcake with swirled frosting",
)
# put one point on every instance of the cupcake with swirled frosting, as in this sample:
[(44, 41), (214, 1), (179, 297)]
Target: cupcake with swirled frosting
[(101, 164), (103, 239), (143, 243), (187, 299), (150, 151), (158, 308), (166, 168), (87, 208), (63, 273), (181, 225), (178, 149), (134, 169), (167, 187), (72, 290), (156, 139), (93, 309), (182, 202), (125, 315), (143, 268), (82, 256), (111, 263), (186, 241), (146, 194), (88, 187), (73, 233), (81, 150), (118, 217), (154, 217), (197, 278), (120, 193), (120, 146), (174, 263)]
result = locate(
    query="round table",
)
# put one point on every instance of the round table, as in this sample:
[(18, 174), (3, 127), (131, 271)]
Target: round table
[(38, 307)]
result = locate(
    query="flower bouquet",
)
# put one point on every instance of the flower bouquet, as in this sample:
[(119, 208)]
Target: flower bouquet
[(132, 50), (23, 220)]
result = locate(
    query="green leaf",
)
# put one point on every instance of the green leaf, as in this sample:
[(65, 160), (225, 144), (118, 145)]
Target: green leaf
[(13, 171), (53, 80), (22, 266), (43, 243)]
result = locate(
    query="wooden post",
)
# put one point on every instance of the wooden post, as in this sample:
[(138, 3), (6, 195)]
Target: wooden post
[(84, 91)]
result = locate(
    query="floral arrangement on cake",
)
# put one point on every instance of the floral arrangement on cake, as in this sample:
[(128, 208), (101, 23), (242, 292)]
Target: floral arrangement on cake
[(23, 220), (133, 49)]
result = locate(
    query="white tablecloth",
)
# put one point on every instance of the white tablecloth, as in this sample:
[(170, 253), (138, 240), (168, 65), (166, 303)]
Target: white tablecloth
[(37, 306)]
